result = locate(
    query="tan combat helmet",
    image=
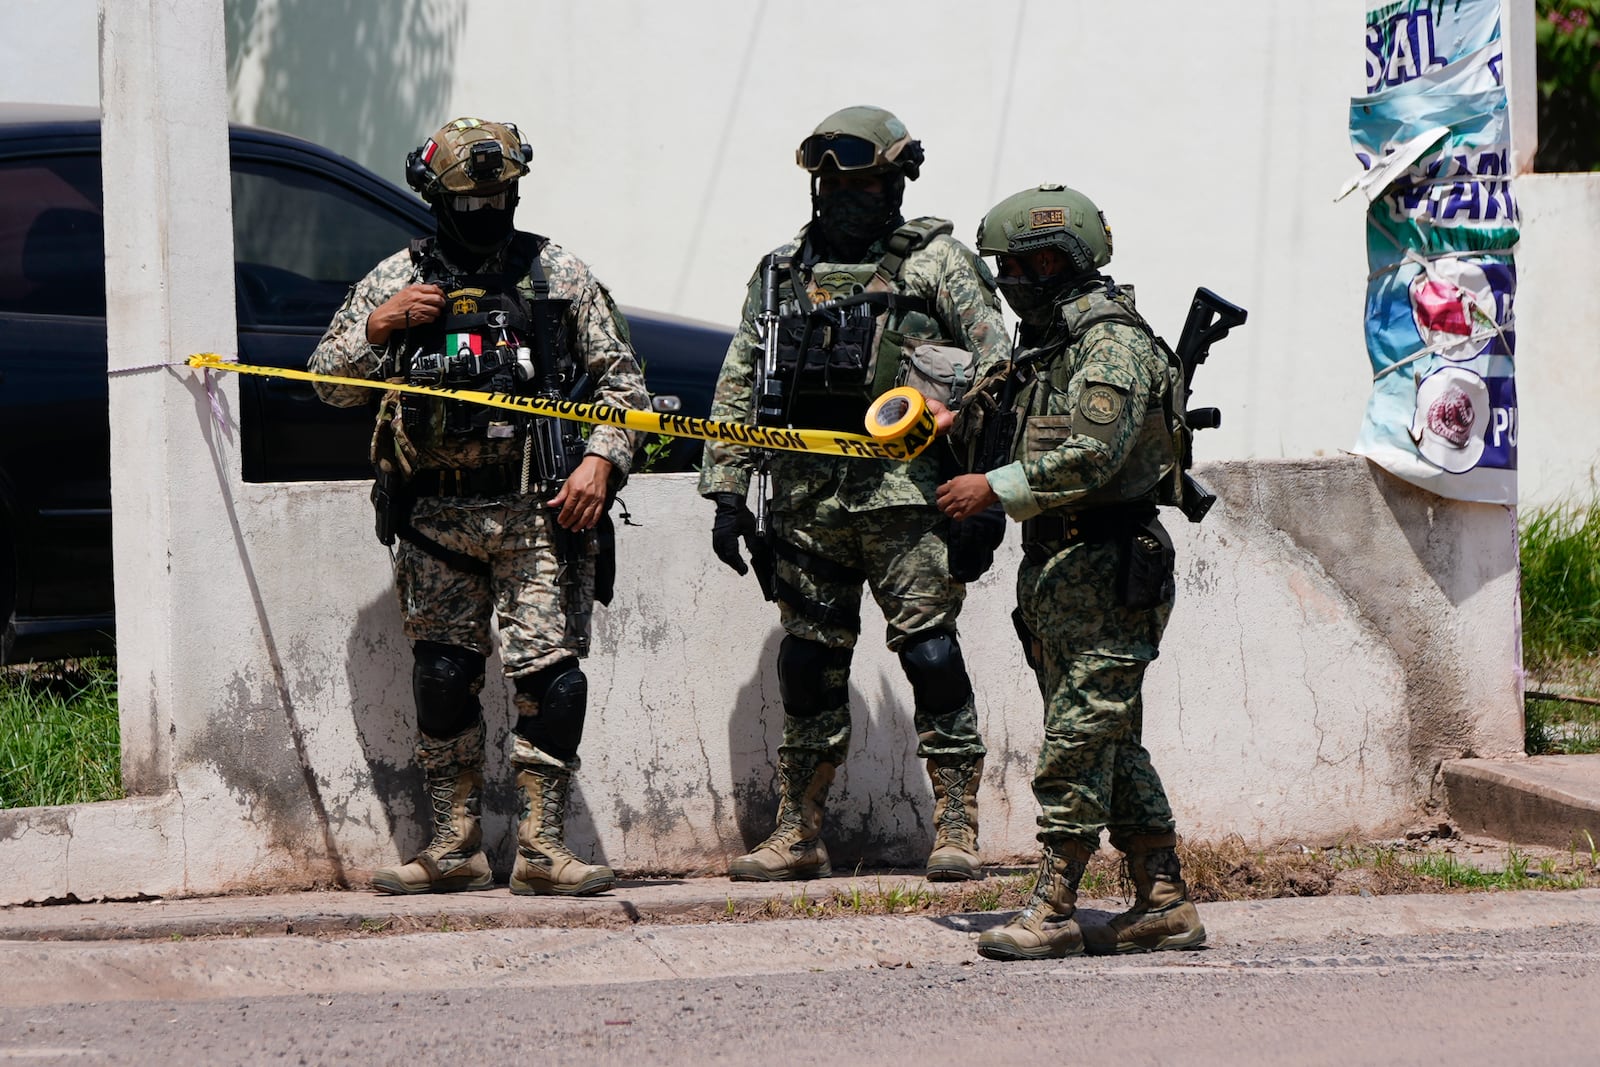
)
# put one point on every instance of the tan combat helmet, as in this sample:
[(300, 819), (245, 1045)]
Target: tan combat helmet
[(468, 156)]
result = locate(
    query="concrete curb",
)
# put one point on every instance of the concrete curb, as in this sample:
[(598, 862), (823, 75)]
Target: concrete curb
[(1541, 800), (667, 901)]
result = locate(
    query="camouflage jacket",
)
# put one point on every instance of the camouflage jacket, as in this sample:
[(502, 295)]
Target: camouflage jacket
[(1092, 427), (596, 330), (960, 290)]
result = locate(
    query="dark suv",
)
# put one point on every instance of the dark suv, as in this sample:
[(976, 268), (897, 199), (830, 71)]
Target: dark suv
[(307, 224)]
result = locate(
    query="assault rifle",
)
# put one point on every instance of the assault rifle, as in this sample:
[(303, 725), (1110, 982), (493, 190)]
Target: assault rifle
[(1209, 320), (554, 447), (769, 411)]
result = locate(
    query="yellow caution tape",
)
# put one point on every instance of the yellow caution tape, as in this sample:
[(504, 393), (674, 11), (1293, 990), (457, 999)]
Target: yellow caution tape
[(903, 438)]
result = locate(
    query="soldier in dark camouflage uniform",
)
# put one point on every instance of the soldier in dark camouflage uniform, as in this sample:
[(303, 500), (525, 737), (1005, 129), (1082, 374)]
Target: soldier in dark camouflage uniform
[(490, 532), (835, 522), (1092, 457)]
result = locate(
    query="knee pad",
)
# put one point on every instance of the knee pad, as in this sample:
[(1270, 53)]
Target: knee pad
[(802, 667), (562, 693), (445, 680), (938, 675)]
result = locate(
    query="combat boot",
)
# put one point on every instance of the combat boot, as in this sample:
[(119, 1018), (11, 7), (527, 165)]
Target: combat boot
[(795, 849), (1162, 916), (955, 819), (544, 863), (1045, 929), (452, 768)]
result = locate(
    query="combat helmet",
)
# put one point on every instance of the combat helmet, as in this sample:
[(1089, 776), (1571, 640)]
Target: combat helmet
[(1048, 216), (468, 157), (861, 138)]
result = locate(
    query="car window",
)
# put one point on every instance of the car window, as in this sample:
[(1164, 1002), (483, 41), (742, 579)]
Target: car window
[(52, 242), (300, 241)]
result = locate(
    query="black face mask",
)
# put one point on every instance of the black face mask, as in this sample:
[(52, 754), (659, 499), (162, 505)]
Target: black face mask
[(480, 232), (1034, 303), (851, 219)]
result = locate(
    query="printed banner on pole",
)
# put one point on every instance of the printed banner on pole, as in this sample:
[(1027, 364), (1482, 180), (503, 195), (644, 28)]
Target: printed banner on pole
[(1433, 138)]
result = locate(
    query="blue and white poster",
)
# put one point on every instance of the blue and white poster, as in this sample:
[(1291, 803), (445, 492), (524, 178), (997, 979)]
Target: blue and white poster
[(1433, 138)]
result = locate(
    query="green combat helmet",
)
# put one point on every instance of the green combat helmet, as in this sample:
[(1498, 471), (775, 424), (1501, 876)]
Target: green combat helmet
[(861, 138), (468, 156), (1050, 216)]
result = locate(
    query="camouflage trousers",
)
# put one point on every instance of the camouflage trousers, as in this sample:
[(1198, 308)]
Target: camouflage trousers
[(1093, 771), (900, 554), (540, 622)]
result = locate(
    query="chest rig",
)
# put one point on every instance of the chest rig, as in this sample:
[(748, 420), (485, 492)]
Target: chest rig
[(500, 332), (1152, 470), (845, 331)]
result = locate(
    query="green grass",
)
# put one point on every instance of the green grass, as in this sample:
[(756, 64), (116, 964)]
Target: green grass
[(1560, 550), (59, 736)]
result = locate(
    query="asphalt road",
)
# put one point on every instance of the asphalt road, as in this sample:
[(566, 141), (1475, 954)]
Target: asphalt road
[(1490, 978)]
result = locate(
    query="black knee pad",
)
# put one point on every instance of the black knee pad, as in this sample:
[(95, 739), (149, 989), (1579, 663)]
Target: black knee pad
[(932, 661), (802, 665), (562, 693), (445, 680)]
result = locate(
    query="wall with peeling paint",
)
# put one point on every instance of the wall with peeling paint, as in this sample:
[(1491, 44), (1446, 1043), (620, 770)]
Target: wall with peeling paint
[(1338, 633)]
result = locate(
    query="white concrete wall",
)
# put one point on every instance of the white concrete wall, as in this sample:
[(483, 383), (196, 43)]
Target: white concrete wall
[(1558, 338), (49, 53), (1338, 634)]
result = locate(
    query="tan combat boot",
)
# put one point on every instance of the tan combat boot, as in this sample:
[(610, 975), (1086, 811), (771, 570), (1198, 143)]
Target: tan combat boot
[(955, 820), (1045, 929), (1162, 916), (454, 861), (795, 849), (544, 863)]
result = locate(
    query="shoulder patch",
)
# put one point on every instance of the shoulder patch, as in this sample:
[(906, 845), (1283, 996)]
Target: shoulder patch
[(1100, 404)]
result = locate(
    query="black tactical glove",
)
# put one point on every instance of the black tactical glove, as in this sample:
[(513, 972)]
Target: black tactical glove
[(734, 522), (973, 541)]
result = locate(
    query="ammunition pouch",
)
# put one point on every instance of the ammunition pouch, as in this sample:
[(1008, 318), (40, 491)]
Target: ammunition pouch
[(605, 560), (391, 505), (472, 481), (1145, 579)]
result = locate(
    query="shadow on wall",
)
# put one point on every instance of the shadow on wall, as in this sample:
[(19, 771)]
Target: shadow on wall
[(383, 77), (872, 825), (385, 720)]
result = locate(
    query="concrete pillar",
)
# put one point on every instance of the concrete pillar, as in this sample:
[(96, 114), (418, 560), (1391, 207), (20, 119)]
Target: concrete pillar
[(1517, 18), (169, 280)]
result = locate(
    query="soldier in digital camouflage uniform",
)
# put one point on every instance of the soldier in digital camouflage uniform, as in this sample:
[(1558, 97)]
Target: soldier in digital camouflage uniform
[(1092, 457), (837, 522), (491, 531)]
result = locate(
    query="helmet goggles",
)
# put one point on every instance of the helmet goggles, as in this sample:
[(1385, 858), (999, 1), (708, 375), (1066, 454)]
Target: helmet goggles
[(848, 152), (469, 202)]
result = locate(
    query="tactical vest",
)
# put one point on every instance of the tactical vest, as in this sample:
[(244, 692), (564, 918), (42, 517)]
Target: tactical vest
[(846, 338), (499, 332), (1151, 472)]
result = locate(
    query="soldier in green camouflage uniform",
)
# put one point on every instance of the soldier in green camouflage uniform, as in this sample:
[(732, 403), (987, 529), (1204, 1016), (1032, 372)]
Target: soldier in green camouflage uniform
[(1091, 458), (836, 522), (489, 531)]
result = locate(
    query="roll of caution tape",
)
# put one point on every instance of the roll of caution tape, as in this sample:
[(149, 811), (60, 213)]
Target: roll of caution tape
[(892, 415), (909, 443)]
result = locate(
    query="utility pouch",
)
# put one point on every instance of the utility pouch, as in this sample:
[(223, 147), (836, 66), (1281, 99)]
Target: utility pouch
[(1032, 651), (605, 560), (1145, 579), (939, 372), (391, 505)]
